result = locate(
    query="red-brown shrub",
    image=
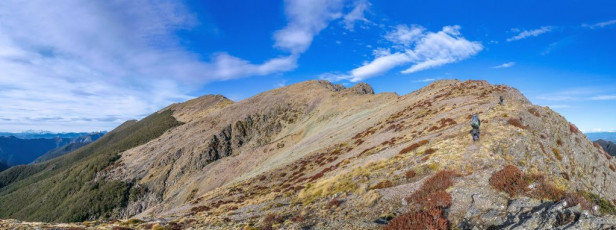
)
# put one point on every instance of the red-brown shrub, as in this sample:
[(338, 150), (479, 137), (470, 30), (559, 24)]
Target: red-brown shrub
[(199, 209), (383, 184), (516, 123), (510, 180), (429, 151), (573, 128), (431, 219), (410, 174), (359, 141), (613, 168), (413, 147), (334, 203), (440, 181), (298, 219), (270, 219), (366, 150), (534, 111), (429, 203), (559, 142)]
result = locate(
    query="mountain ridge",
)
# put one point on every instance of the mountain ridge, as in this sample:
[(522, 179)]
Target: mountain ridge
[(320, 155)]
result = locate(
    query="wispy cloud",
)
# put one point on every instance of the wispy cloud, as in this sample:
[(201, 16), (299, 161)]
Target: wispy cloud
[(600, 24), (68, 59), (530, 33), (306, 19), (415, 47), (357, 14), (505, 65), (603, 98)]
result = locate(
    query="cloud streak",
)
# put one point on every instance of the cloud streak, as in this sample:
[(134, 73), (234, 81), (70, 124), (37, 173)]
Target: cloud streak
[(505, 65), (416, 47), (600, 24), (530, 33), (357, 14)]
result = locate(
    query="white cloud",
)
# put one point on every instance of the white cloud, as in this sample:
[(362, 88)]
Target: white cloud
[(334, 76), (531, 33), (96, 64), (600, 24), (379, 66), (306, 18), (424, 50), (405, 35), (357, 14), (505, 65), (603, 98), (225, 66)]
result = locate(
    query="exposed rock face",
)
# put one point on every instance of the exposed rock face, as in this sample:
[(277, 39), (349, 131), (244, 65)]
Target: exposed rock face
[(317, 155), (530, 214), (362, 88), (608, 146)]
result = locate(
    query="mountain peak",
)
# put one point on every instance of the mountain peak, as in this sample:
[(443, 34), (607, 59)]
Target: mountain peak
[(333, 157)]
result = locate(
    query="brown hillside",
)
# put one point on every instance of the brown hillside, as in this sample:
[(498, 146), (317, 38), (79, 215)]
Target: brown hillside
[(317, 155)]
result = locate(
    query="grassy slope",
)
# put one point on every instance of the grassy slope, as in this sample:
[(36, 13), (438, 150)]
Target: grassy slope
[(63, 189)]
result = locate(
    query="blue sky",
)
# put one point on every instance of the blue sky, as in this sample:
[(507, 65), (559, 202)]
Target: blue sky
[(89, 65)]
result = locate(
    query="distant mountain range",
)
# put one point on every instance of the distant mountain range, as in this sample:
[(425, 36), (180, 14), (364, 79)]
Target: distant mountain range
[(32, 134), (18, 151), (608, 146), (607, 136), (75, 144)]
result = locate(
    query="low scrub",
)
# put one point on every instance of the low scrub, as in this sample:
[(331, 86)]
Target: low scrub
[(413, 147), (429, 203), (514, 182), (516, 123), (509, 180), (410, 174), (383, 184), (334, 203), (534, 111)]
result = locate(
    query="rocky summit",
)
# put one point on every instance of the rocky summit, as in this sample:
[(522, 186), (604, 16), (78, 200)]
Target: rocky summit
[(316, 155)]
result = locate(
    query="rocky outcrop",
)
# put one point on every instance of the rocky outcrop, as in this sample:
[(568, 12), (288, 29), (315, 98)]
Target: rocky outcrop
[(533, 214), (361, 88)]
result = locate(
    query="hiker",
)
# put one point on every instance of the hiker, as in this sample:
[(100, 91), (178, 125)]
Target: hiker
[(475, 123), (501, 100)]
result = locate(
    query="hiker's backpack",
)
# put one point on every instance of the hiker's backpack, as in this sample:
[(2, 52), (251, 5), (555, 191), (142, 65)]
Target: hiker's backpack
[(475, 121)]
